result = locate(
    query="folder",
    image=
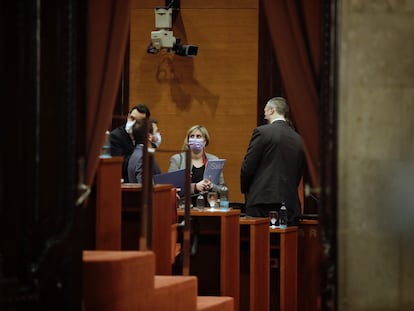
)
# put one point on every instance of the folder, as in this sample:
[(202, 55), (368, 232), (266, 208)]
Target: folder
[(177, 178), (213, 170)]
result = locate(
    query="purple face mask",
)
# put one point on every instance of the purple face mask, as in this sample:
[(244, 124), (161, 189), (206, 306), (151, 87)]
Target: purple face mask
[(196, 144)]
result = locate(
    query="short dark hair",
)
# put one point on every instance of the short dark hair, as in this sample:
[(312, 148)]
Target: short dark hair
[(152, 122), (138, 131), (142, 109)]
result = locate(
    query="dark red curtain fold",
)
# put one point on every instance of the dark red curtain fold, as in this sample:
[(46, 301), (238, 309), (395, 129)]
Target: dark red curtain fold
[(298, 56), (108, 30), (312, 23)]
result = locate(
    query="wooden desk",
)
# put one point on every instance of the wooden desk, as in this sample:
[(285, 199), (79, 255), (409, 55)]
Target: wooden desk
[(286, 242), (217, 260), (108, 204), (309, 259), (254, 270), (163, 211)]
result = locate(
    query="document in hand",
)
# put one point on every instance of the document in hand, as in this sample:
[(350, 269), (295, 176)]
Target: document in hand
[(213, 170), (177, 178)]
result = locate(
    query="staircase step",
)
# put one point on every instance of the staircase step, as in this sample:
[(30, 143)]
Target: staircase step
[(124, 280), (174, 293), (213, 303), (117, 280)]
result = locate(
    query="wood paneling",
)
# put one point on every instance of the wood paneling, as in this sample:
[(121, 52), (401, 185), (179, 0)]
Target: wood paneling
[(309, 259), (285, 280), (254, 270), (217, 88), (163, 208), (108, 204), (216, 262)]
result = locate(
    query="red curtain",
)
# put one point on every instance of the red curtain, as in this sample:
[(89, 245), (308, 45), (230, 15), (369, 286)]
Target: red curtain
[(108, 30), (294, 29)]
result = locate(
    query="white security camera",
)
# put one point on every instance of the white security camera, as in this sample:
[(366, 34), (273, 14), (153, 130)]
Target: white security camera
[(163, 37)]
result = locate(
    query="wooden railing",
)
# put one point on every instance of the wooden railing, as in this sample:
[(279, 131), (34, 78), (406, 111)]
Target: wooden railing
[(118, 215), (163, 224)]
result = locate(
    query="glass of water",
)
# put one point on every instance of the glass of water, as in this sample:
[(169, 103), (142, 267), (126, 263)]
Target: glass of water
[(273, 219)]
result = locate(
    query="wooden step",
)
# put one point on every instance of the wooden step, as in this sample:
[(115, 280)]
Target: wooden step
[(212, 303), (174, 293), (117, 280), (126, 280)]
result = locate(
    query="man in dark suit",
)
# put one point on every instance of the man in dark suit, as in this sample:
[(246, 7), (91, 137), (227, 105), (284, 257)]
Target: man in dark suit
[(273, 165), (121, 139), (135, 163)]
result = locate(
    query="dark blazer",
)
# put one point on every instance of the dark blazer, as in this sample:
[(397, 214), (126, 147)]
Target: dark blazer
[(121, 145), (135, 165), (272, 167)]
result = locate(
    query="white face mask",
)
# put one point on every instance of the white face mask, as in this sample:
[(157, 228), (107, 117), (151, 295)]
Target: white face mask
[(128, 126), (157, 143)]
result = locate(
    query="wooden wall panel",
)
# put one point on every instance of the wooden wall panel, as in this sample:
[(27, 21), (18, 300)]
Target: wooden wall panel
[(217, 88)]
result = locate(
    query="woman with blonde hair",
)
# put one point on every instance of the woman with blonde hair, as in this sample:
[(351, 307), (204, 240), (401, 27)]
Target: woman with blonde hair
[(197, 139)]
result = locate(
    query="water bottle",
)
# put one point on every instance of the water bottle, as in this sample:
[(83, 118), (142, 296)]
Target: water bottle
[(106, 148), (224, 197), (200, 201), (283, 217)]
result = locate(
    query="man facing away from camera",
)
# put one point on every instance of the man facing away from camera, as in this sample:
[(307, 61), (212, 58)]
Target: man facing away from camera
[(273, 165)]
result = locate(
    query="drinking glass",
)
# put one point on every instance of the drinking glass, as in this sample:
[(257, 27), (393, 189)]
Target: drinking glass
[(212, 198), (273, 219)]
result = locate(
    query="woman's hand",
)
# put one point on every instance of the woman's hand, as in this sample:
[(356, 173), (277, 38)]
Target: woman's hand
[(204, 185)]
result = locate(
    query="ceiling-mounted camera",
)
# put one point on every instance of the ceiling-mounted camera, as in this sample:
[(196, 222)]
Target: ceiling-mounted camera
[(163, 37)]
